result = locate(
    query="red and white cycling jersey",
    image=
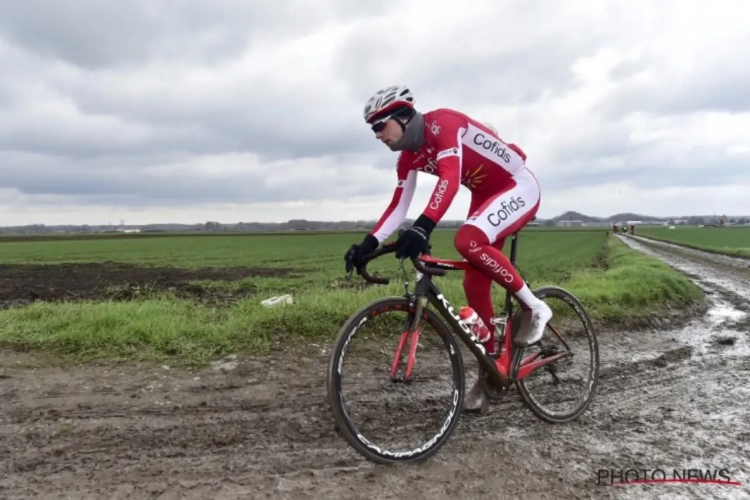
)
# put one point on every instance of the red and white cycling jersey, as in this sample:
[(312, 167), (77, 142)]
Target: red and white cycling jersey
[(459, 150)]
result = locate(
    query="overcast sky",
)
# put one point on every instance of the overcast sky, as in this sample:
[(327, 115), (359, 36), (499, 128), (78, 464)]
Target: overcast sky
[(195, 110)]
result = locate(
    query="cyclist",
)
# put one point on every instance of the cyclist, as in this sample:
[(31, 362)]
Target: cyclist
[(505, 196)]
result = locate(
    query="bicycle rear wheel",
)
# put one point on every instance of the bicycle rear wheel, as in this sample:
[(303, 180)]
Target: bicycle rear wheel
[(431, 382), (571, 332)]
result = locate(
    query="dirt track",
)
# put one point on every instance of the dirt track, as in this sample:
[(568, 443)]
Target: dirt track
[(261, 428), (23, 284)]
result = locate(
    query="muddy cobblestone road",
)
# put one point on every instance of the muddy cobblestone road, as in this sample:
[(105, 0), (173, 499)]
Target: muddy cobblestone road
[(261, 427)]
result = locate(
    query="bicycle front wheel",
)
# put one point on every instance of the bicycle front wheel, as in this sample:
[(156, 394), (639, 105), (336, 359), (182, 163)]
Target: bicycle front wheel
[(400, 416)]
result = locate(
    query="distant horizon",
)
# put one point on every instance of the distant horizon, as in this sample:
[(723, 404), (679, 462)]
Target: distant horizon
[(644, 217)]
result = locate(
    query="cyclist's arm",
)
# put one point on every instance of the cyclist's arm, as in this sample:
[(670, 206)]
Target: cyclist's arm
[(449, 159), (396, 212)]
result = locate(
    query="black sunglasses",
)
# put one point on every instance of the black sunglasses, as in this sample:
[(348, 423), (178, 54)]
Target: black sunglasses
[(380, 125)]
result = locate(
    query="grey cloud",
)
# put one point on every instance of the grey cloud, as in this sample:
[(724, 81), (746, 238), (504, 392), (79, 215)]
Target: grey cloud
[(650, 176), (250, 118), (136, 179), (183, 111), (386, 161), (482, 64), (626, 69), (87, 33), (713, 85), (92, 33), (597, 140), (82, 140), (648, 166), (521, 77)]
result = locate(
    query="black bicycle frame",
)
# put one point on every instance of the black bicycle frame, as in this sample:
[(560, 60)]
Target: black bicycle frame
[(426, 289)]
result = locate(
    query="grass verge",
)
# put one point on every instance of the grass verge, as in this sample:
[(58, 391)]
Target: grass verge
[(621, 284), (634, 287)]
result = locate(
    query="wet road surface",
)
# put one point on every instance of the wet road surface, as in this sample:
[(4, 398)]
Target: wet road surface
[(261, 427)]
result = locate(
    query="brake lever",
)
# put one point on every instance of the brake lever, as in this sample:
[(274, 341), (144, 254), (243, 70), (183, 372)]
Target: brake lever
[(349, 264)]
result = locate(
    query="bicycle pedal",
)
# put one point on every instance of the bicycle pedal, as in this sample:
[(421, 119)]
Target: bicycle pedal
[(496, 393), (402, 380)]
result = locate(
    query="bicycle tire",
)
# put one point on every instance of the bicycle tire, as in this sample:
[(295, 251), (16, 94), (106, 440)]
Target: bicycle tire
[(573, 301), (372, 451)]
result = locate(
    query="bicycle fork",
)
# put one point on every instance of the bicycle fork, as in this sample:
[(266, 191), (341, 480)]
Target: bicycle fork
[(412, 329)]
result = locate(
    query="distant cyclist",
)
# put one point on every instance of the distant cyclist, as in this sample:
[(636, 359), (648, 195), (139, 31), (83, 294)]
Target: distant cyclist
[(504, 197)]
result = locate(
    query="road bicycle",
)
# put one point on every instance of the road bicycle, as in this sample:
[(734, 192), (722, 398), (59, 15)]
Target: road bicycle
[(501, 370)]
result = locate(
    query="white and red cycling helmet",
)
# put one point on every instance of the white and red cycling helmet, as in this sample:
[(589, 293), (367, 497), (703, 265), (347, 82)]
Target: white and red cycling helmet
[(386, 100)]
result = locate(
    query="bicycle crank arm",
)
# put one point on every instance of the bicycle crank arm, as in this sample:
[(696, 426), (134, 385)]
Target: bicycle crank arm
[(552, 370)]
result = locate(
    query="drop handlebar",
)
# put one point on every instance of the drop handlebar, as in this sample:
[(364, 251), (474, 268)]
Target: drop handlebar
[(391, 248)]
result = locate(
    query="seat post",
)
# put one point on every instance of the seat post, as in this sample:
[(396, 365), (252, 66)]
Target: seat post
[(514, 247)]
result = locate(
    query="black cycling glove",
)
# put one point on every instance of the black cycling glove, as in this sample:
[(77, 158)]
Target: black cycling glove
[(354, 255), (415, 240)]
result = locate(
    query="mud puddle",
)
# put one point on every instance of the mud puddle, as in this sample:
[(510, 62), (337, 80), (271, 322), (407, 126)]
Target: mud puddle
[(261, 427), (23, 284), (725, 280)]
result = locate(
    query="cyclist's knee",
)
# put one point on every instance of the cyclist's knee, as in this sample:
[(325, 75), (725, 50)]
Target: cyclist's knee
[(469, 238)]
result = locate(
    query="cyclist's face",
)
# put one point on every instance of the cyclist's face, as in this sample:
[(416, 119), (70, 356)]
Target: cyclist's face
[(390, 133)]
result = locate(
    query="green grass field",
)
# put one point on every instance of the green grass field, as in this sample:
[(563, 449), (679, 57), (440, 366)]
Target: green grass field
[(726, 240), (613, 281)]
